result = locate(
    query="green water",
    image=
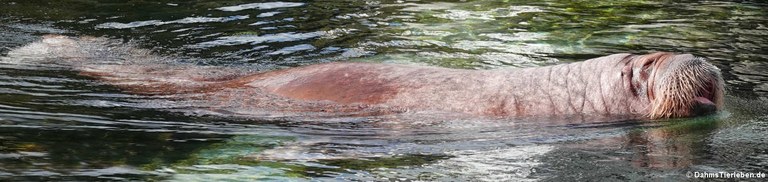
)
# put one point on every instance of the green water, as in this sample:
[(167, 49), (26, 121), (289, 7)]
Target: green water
[(58, 126)]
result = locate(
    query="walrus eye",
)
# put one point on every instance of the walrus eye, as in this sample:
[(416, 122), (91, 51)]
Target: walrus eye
[(645, 71)]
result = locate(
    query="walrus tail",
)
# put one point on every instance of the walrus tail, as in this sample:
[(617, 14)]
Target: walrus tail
[(117, 63)]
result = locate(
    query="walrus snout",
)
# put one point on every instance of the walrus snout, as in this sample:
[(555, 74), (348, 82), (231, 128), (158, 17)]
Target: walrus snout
[(684, 85), (704, 103), (703, 106)]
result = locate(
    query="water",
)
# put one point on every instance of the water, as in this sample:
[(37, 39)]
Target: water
[(57, 125)]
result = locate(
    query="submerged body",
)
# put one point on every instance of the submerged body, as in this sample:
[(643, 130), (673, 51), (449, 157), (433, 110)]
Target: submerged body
[(649, 86)]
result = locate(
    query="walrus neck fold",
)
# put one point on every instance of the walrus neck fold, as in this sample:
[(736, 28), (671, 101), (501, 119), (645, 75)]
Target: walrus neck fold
[(596, 87)]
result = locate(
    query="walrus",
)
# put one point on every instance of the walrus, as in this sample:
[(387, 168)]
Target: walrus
[(648, 86)]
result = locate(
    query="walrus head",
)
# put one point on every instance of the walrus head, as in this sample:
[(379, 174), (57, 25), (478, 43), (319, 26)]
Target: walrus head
[(675, 85)]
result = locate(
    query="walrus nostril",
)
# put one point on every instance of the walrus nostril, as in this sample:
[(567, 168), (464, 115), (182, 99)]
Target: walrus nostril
[(703, 106)]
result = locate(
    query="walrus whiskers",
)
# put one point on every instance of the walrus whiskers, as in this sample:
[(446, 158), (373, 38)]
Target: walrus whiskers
[(674, 98)]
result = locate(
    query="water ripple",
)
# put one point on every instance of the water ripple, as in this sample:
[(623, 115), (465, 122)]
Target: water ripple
[(257, 39), (268, 5), (188, 20)]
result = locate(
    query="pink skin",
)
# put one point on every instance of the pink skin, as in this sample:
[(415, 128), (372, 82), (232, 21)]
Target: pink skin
[(562, 90)]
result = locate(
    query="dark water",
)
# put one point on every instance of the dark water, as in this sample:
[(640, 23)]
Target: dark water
[(56, 125)]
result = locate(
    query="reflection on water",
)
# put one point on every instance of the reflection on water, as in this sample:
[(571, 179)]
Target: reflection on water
[(189, 20), (56, 125)]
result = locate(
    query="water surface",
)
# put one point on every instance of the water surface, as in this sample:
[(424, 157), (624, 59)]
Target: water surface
[(57, 125)]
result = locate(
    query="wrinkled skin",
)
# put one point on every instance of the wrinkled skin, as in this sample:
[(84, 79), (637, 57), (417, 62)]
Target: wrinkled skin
[(658, 85)]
